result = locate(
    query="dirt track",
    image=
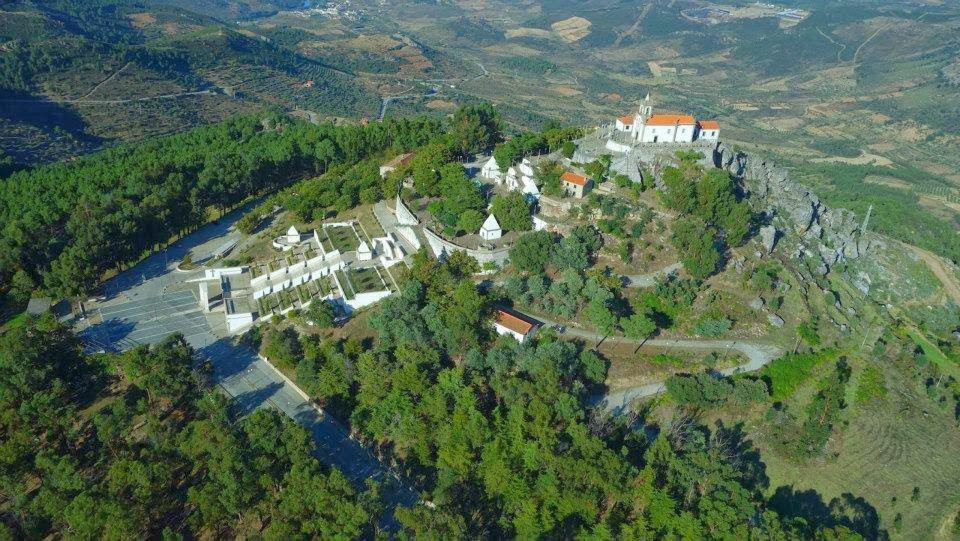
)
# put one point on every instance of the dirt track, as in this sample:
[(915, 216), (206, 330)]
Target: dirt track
[(950, 283)]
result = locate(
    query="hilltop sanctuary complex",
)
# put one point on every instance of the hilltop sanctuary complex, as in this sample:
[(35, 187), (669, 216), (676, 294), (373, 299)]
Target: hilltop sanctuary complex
[(646, 127)]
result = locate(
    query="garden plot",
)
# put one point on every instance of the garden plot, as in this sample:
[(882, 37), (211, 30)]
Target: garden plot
[(359, 281), (340, 237), (296, 297)]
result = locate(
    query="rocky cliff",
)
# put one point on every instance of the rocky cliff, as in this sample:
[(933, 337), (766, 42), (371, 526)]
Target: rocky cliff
[(828, 235)]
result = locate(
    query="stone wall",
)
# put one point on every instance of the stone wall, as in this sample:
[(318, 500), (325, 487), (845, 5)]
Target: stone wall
[(442, 246)]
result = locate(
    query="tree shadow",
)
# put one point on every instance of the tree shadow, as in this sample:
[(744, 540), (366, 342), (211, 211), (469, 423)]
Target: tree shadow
[(245, 403), (743, 454), (108, 335), (847, 510)]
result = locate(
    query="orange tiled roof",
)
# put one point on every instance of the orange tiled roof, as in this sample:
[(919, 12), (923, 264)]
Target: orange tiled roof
[(709, 125), (626, 119), (574, 178), (512, 322), (670, 120)]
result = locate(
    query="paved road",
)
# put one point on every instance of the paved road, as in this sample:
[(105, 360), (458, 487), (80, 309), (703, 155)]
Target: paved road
[(618, 400), (152, 300), (758, 355)]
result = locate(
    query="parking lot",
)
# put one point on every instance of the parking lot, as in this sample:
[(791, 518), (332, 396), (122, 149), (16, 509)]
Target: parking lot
[(149, 320)]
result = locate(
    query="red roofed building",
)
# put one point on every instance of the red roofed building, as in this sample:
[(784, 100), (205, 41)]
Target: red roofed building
[(625, 123), (401, 160), (669, 128), (708, 130), (575, 185), (515, 325), (646, 127)]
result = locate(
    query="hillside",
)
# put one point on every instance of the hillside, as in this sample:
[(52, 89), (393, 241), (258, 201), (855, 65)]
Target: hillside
[(80, 77), (402, 269)]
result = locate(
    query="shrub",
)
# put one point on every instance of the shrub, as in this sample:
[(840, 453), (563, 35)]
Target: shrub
[(790, 371), (713, 327)]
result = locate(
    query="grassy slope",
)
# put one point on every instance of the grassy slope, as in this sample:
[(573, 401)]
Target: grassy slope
[(889, 446)]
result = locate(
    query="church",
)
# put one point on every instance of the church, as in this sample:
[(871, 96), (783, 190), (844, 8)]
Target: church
[(646, 127)]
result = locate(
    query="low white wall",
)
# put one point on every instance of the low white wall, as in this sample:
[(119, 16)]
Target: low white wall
[(404, 215), (238, 321), (212, 274), (409, 235), (441, 246), (618, 147), (363, 299), (259, 280)]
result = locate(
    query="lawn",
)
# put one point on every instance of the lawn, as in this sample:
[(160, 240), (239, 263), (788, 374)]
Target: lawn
[(933, 353), (340, 238), (365, 280)]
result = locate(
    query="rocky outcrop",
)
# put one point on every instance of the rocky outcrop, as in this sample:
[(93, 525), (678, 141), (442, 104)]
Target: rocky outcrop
[(826, 234), (768, 236)]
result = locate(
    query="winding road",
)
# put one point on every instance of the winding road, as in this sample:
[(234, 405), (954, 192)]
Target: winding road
[(385, 101), (618, 400)]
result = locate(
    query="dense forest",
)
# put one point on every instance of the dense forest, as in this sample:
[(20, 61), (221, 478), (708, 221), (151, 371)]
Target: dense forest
[(499, 436), (67, 223), (138, 445)]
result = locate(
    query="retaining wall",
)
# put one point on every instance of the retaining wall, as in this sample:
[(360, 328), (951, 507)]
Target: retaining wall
[(441, 246)]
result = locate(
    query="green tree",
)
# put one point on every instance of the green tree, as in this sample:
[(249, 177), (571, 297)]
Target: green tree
[(322, 313), (694, 242), (21, 286), (425, 169), (512, 211), (532, 251), (283, 347), (475, 128), (163, 371), (600, 315), (679, 193), (638, 327), (470, 221)]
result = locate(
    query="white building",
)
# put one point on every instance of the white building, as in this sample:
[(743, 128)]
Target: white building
[(522, 178), (665, 129), (490, 170), (708, 130), (293, 236), (401, 160), (646, 127), (575, 185), (364, 253), (490, 230), (519, 327)]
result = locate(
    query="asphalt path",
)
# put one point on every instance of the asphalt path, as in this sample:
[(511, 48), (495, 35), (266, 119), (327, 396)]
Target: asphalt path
[(150, 301)]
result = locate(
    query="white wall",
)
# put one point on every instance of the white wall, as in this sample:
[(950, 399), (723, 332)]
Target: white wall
[(682, 133), (404, 216), (503, 330), (617, 147), (211, 274), (238, 321)]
